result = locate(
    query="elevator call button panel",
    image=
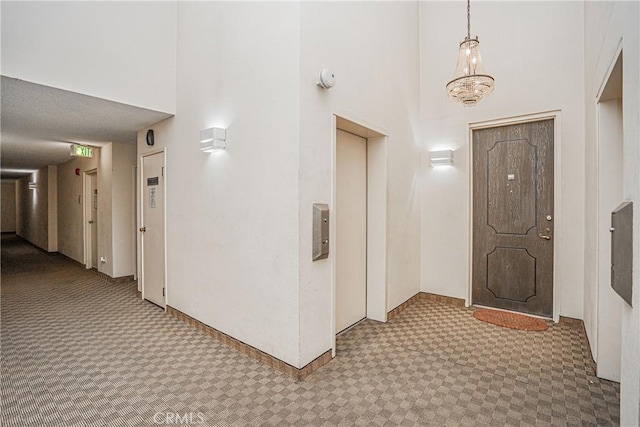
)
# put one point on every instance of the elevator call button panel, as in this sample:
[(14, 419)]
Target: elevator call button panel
[(320, 231)]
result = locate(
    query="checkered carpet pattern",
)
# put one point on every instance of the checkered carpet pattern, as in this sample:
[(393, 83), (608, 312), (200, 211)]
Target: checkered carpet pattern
[(77, 350)]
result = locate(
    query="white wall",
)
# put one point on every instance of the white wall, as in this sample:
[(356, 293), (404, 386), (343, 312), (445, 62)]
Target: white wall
[(70, 204), (115, 210), (248, 270), (232, 217), (33, 211), (249, 273), (120, 51), (606, 23), (372, 47), (8, 206), (122, 184), (534, 51)]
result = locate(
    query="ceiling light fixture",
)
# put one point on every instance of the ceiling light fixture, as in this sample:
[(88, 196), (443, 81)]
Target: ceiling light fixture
[(470, 83)]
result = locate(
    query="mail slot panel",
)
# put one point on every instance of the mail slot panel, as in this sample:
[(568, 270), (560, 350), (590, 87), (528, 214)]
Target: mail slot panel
[(622, 250)]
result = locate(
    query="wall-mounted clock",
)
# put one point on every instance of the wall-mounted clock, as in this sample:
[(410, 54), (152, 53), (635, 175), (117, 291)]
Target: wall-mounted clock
[(150, 137)]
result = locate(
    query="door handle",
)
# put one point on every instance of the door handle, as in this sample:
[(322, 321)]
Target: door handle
[(542, 236), (90, 222), (143, 229)]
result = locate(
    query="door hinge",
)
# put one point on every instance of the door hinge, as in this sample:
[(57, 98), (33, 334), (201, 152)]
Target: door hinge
[(162, 291), (163, 171)]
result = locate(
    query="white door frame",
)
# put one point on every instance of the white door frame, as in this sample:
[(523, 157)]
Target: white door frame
[(134, 201), (604, 367), (376, 218), (557, 188), (140, 219), (86, 215)]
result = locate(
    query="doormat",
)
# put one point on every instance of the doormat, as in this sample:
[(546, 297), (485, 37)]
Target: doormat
[(510, 320)]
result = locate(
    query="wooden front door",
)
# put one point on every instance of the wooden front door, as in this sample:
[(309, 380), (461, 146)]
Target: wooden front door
[(513, 217)]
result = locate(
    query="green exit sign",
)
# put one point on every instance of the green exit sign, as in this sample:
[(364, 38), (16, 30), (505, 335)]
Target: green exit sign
[(81, 151)]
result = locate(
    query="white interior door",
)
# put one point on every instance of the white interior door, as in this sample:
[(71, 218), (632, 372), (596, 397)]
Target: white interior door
[(90, 210), (93, 219), (351, 230), (153, 261)]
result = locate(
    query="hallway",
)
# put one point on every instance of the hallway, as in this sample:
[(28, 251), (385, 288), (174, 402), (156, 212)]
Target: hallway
[(79, 350)]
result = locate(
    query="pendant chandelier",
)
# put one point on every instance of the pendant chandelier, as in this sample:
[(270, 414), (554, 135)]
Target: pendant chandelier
[(470, 83)]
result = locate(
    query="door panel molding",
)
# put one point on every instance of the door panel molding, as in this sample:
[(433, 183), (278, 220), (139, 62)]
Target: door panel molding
[(498, 274), (556, 115), (499, 154)]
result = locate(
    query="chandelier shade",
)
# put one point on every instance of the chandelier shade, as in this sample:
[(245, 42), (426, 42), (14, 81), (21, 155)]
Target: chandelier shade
[(470, 82)]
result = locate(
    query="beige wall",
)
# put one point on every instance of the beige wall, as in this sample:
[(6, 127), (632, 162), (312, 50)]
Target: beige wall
[(123, 210), (105, 202), (8, 206), (116, 236), (52, 209), (70, 203), (36, 220)]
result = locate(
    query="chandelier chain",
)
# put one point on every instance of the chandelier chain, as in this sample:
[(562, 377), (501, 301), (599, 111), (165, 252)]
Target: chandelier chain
[(469, 19)]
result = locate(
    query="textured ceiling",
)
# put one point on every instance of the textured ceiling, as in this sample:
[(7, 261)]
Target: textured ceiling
[(39, 122)]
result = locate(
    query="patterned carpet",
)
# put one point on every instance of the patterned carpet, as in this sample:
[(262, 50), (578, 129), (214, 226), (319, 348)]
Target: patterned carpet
[(78, 350)]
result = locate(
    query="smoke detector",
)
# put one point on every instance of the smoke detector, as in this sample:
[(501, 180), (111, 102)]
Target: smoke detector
[(326, 79)]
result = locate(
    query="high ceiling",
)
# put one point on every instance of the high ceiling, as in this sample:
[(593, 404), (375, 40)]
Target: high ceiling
[(39, 123)]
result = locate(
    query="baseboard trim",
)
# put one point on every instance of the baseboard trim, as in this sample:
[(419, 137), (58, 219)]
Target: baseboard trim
[(458, 302), (267, 359), (117, 280), (426, 296), (572, 323), (402, 307)]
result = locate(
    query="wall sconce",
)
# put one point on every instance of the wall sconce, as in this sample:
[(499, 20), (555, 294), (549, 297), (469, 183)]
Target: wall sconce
[(213, 139), (441, 158), (32, 185)]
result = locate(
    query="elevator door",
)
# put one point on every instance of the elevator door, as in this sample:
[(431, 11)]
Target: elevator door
[(351, 229)]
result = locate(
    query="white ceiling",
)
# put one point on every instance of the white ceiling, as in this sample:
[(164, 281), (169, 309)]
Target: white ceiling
[(39, 122)]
